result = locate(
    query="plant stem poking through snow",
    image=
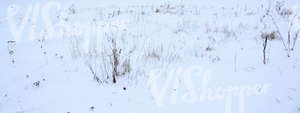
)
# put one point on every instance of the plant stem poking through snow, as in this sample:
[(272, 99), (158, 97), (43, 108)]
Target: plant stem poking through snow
[(266, 37), (11, 50), (115, 61), (264, 50)]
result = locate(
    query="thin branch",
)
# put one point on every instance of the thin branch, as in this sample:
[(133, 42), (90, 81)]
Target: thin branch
[(280, 35), (295, 39), (264, 50)]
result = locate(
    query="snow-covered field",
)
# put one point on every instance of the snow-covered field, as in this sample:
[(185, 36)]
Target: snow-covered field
[(149, 56)]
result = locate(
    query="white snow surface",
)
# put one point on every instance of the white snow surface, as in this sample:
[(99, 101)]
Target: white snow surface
[(222, 37)]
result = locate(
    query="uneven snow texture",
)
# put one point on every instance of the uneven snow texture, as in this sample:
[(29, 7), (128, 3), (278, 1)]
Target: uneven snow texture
[(223, 37)]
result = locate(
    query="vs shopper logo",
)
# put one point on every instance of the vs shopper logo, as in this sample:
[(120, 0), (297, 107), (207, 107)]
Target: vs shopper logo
[(168, 85)]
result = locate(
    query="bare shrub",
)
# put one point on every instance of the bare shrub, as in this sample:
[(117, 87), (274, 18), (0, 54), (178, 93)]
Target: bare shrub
[(104, 60), (281, 14)]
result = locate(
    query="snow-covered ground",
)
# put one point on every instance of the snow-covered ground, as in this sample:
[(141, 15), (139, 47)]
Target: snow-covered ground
[(195, 56)]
